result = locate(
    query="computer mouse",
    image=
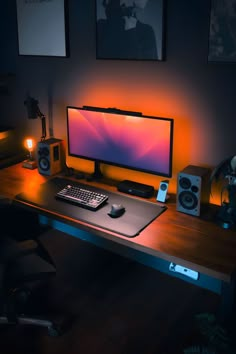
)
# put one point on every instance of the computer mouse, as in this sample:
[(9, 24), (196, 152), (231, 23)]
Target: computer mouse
[(116, 210)]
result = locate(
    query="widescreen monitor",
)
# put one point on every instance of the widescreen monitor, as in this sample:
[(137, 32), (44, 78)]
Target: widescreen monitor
[(121, 138)]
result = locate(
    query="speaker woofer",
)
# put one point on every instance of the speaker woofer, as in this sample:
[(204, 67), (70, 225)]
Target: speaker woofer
[(44, 164), (188, 200)]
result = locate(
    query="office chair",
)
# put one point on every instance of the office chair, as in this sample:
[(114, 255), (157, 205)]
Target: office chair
[(25, 265)]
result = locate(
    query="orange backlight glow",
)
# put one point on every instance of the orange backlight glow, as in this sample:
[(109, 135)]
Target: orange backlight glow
[(192, 140)]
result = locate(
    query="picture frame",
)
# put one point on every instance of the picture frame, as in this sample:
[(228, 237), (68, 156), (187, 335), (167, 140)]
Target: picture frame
[(131, 31), (42, 27), (222, 31)]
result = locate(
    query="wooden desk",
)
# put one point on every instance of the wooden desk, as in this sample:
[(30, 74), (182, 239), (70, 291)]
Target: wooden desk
[(192, 242)]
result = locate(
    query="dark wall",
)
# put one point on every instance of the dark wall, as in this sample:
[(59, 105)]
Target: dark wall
[(199, 95)]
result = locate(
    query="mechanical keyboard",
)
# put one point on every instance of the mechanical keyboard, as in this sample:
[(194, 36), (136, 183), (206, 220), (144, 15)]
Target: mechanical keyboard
[(82, 197)]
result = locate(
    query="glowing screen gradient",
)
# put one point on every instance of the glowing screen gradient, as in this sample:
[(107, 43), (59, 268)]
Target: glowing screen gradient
[(136, 142)]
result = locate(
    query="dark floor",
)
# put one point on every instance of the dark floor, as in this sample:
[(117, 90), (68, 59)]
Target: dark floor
[(117, 306)]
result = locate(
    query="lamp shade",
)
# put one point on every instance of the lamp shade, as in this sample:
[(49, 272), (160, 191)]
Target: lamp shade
[(34, 112), (32, 108)]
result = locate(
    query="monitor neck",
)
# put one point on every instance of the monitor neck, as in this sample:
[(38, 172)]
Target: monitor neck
[(97, 174)]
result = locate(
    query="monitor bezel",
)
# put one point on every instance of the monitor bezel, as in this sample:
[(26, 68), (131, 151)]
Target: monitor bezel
[(116, 111)]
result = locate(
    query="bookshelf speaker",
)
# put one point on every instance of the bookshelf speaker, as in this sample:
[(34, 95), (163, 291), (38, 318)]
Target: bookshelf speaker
[(192, 189), (49, 156)]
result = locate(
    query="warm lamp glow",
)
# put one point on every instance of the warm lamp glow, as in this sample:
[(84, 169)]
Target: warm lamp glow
[(29, 144), (30, 162)]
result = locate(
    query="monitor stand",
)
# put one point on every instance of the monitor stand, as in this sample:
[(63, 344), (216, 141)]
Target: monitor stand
[(97, 174)]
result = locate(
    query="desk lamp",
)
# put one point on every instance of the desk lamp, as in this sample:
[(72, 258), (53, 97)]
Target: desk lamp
[(34, 113), (30, 162), (48, 151)]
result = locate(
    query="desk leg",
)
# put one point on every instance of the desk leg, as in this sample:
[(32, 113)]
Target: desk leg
[(227, 300)]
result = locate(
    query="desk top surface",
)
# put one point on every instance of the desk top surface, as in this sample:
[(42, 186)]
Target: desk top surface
[(194, 242)]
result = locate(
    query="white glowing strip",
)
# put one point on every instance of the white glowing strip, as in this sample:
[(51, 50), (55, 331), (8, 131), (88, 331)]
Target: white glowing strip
[(184, 271)]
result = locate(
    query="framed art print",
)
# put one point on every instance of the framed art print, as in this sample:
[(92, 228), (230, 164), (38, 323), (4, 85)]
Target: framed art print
[(222, 36), (41, 27), (130, 29)]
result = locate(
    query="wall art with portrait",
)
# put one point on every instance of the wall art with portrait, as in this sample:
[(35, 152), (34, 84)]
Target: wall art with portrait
[(41, 27), (222, 36), (130, 29)]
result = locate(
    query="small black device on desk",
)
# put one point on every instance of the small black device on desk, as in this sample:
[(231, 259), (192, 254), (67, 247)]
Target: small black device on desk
[(135, 188)]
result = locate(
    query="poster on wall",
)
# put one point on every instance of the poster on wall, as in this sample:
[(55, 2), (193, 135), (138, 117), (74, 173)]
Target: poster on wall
[(130, 29), (222, 36), (41, 27)]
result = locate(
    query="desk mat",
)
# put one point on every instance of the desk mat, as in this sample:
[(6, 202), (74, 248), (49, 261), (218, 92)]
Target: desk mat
[(138, 213)]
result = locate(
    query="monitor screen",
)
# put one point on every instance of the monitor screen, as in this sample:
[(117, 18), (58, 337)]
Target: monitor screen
[(125, 139)]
